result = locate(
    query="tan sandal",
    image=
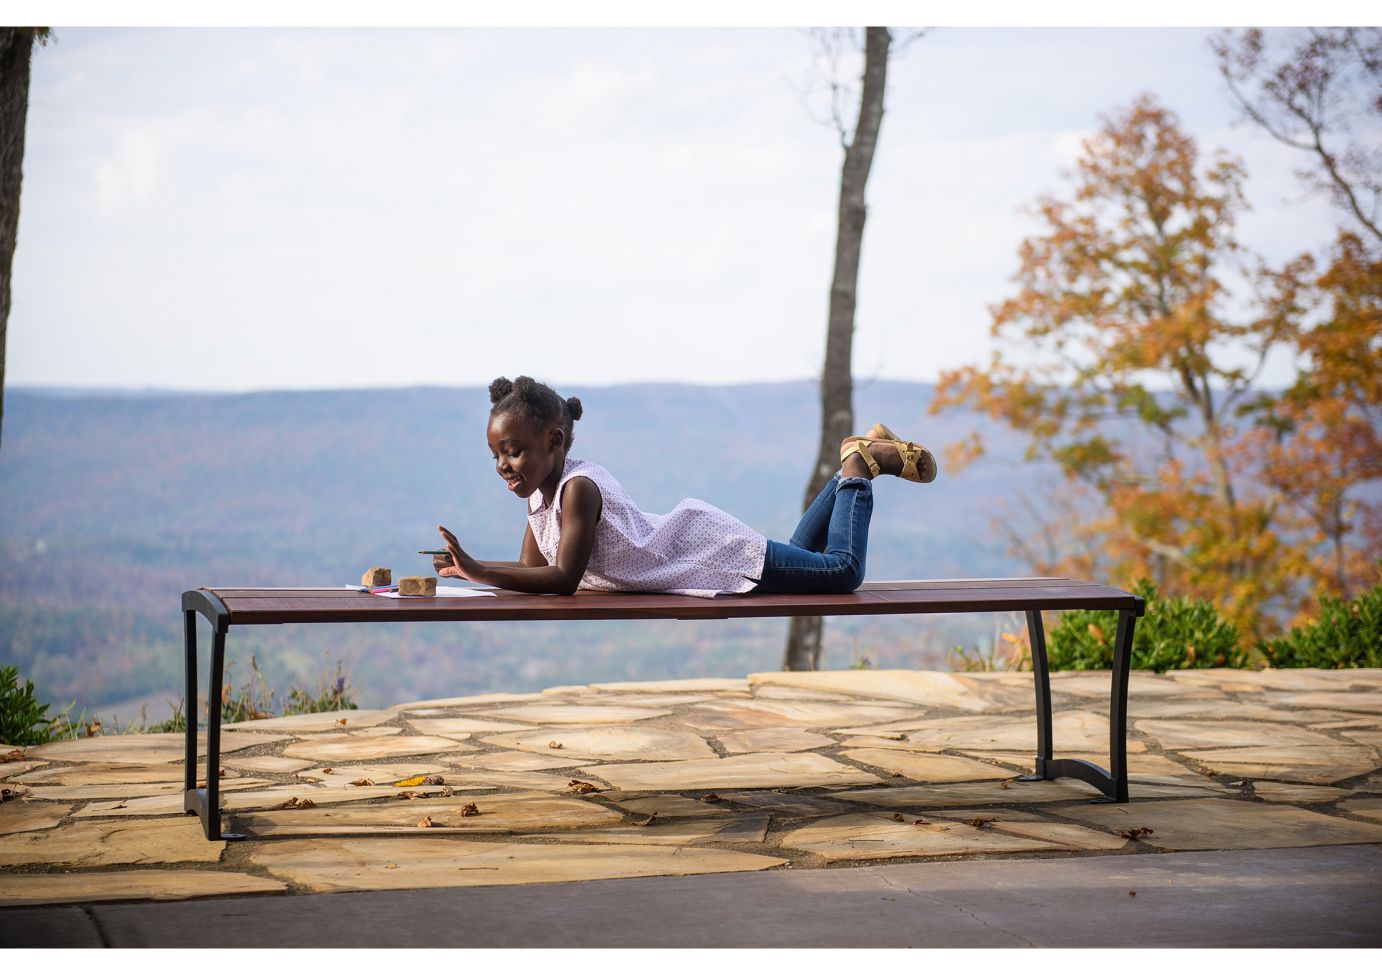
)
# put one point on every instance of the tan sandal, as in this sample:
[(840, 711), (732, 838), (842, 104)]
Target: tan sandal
[(859, 446), (917, 463)]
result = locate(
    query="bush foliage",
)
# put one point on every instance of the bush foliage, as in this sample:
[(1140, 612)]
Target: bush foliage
[(23, 721), (1345, 634), (1175, 633)]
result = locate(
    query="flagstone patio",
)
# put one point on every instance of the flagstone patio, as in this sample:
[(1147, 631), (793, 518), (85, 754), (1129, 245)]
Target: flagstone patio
[(636, 779)]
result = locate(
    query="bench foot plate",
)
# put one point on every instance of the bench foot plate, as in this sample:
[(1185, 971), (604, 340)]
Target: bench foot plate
[(194, 802)]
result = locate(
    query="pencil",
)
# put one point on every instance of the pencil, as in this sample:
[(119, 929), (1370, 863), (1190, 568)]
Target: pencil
[(432, 552)]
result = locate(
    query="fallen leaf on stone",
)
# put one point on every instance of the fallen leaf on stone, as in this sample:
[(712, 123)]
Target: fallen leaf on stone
[(470, 810), (390, 867), (554, 744), (1132, 894), (918, 822), (1007, 783), (1135, 832), (425, 822), (119, 806), (643, 823), (406, 795), (447, 791), (291, 804), (342, 721), (899, 818), (711, 798), (362, 781), (981, 822), (412, 781), (581, 786), (14, 755), (432, 781), (306, 805), (326, 770)]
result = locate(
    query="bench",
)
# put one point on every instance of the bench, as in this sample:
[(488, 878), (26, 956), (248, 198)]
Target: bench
[(224, 608)]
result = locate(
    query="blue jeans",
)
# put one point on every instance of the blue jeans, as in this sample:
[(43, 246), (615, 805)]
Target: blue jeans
[(827, 550)]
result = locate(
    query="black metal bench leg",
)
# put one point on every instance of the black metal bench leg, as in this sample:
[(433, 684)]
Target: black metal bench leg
[(189, 768), (1118, 707), (1041, 673), (1114, 784), (206, 801)]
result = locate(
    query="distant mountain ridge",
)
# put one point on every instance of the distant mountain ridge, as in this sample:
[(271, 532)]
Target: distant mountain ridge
[(117, 502)]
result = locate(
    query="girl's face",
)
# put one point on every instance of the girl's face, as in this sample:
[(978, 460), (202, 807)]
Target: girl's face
[(525, 456)]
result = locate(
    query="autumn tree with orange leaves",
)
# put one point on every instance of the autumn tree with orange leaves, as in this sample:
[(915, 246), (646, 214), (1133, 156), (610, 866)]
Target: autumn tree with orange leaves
[(1121, 358)]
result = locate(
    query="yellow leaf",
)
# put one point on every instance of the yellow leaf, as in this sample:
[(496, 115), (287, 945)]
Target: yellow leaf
[(412, 781)]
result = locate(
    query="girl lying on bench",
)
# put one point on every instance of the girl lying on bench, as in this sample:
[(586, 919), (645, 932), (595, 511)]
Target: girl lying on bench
[(585, 531)]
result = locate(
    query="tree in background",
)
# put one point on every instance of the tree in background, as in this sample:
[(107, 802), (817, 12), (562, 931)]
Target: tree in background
[(1316, 90), (16, 48), (804, 634), (1320, 96), (1132, 375)]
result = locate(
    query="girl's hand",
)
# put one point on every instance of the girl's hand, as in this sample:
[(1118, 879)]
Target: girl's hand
[(455, 562), (443, 565)]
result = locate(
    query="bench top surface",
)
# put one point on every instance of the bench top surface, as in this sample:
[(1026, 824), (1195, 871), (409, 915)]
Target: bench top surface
[(246, 605)]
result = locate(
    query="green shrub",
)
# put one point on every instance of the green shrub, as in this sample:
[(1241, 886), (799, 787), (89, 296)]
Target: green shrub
[(23, 721), (1175, 633), (1345, 634)]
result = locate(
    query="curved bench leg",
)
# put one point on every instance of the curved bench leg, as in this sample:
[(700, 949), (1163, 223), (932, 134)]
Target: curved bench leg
[(1112, 782)]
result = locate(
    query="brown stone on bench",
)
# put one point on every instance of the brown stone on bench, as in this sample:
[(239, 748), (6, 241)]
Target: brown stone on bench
[(224, 608)]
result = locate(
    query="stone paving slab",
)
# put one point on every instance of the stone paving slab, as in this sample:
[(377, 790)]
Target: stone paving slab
[(329, 864), (159, 747), (1198, 825), (93, 886), (927, 767), (552, 714), (687, 777), (755, 769), (773, 740), (103, 844), (354, 718), (862, 836), (1321, 765), (935, 688), (606, 744), (18, 816), (501, 813), (348, 747), (460, 727), (1364, 806)]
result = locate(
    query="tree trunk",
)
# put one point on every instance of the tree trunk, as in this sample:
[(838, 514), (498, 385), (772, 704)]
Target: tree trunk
[(16, 47), (803, 651)]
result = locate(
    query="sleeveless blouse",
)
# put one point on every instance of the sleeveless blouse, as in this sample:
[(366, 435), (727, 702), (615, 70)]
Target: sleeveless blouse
[(694, 550)]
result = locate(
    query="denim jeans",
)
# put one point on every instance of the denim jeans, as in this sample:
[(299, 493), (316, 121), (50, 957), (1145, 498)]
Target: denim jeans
[(827, 550)]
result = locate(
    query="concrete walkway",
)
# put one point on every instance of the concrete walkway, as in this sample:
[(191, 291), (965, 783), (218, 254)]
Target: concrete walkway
[(1302, 898)]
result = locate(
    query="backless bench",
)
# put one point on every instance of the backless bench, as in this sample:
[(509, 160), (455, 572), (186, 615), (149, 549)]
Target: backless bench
[(224, 608)]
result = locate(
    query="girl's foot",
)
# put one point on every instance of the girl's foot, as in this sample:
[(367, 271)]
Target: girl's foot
[(891, 455)]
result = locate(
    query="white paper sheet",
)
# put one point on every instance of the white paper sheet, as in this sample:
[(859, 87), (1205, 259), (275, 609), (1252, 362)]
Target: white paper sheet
[(442, 591)]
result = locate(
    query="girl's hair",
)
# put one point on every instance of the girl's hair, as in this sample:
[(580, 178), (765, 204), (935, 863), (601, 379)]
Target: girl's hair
[(534, 402)]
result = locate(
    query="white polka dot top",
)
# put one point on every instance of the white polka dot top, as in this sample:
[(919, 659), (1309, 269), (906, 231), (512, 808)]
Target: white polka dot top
[(694, 550)]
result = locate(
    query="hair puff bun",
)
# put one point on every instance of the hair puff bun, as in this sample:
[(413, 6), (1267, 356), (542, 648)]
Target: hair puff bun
[(574, 405), (499, 389)]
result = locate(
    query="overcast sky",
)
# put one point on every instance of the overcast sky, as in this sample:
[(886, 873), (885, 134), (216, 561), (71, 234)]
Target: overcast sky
[(240, 209)]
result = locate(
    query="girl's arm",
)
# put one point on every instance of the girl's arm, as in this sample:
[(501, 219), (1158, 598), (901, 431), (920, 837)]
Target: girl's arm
[(581, 504)]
